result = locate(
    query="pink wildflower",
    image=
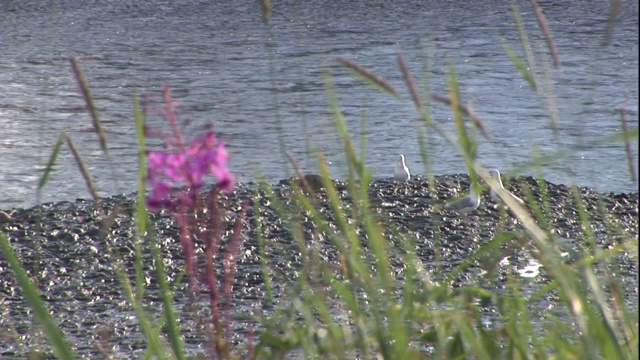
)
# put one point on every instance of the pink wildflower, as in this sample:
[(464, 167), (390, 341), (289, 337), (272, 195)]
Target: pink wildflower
[(174, 170)]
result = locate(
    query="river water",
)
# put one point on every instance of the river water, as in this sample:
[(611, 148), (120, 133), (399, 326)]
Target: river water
[(260, 85)]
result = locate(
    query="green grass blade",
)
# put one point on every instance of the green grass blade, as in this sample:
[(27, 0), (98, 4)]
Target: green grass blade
[(486, 252), (363, 141), (424, 155), (142, 166), (52, 161), (152, 335), (42, 315), (524, 70), (142, 216), (627, 146), (467, 142), (601, 319), (524, 39), (550, 97), (167, 301)]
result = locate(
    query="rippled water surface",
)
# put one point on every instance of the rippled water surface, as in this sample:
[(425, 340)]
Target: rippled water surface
[(255, 83)]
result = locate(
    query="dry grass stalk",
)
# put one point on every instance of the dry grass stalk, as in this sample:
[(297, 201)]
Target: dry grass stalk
[(465, 109), (82, 82), (378, 80), (544, 26), (409, 80), (83, 168)]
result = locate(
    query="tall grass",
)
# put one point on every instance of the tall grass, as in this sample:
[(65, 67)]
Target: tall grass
[(358, 307), (364, 311)]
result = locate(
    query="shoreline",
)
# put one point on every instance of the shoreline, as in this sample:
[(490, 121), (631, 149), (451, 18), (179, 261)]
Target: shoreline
[(252, 184)]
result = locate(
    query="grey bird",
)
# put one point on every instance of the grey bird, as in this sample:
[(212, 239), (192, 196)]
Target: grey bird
[(495, 174), (466, 204), (401, 172)]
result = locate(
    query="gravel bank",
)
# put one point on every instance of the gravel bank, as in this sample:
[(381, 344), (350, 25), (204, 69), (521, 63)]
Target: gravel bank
[(65, 247)]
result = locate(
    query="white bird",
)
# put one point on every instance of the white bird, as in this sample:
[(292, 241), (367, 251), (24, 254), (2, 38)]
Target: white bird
[(401, 172), (466, 204), (495, 174)]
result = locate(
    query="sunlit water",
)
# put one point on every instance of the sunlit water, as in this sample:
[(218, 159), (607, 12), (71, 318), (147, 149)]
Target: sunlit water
[(261, 84)]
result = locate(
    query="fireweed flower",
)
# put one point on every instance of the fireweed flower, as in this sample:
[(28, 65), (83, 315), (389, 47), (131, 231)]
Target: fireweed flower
[(181, 171), (175, 177)]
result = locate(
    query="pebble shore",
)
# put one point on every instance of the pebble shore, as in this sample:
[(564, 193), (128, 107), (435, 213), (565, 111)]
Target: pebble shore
[(66, 249)]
